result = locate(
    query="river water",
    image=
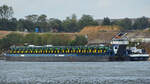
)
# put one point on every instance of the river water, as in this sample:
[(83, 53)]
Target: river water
[(74, 72)]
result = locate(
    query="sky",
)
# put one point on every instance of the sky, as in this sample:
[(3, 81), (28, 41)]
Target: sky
[(99, 9)]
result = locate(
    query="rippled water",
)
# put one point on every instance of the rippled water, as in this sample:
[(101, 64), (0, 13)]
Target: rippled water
[(74, 72)]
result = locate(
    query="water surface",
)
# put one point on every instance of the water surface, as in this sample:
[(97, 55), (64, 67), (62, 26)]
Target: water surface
[(74, 72)]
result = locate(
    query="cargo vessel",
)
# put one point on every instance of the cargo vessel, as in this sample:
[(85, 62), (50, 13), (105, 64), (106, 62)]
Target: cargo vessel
[(59, 53), (74, 53), (117, 50)]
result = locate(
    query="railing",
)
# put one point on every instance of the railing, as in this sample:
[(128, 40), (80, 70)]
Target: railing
[(120, 42)]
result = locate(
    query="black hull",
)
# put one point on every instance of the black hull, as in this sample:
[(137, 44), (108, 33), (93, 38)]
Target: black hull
[(139, 58), (74, 58), (60, 59)]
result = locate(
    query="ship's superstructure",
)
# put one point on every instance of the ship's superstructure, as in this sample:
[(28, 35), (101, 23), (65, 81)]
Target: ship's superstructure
[(137, 54), (120, 43)]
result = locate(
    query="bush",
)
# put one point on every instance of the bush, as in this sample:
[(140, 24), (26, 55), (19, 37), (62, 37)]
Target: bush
[(12, 39), (79, 41), (43, 39), (33, 39), (58, 40)]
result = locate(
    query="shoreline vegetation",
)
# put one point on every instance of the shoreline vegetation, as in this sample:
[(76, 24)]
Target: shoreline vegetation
[(18, 39)]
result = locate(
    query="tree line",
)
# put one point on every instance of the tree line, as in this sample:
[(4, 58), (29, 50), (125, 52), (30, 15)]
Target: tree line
[(129, 24), (44, 24), (18, 39), (70, 24)]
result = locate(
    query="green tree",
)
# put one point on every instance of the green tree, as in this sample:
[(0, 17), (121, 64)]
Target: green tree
[(30, 22), (13, 24), (1, 44), (106, 21), (25, 24), (55, 24), (46, 39), (33, 39), (141, 23), (42, 23), (6, 12), (42, 18), (126, 23), (12, 39), (58, 40), (33, 18), (36, 21), (74, 23), (4, 24), (70, 24), (79, 41), (10, 24), (86, 20), (20, 25)]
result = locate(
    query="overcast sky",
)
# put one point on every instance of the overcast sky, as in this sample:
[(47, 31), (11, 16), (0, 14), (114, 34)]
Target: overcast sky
[(97, 8)]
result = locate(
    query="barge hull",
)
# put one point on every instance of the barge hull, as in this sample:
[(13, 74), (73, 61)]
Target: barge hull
[(139, 58), (59, 59)]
